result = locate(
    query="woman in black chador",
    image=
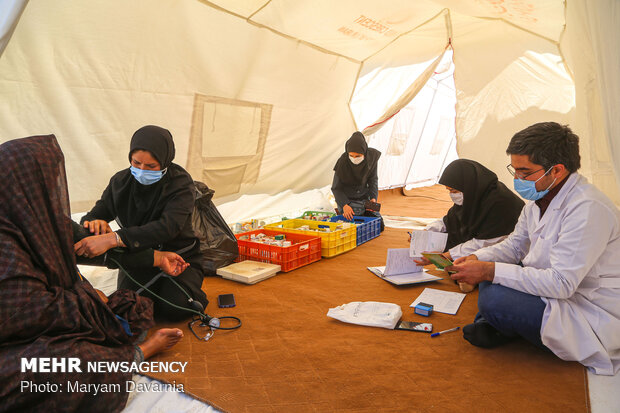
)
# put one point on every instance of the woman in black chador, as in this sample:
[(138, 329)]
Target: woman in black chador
[(152, 201), (485, 211), (355, 177)]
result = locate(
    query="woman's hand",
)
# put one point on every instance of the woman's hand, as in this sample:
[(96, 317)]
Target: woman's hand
[(169, 262), (95, 245), (97, 226), (347, 212), (425, 261), (422, 261)]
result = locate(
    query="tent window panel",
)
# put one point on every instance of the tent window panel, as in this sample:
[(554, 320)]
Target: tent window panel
[(228, 181), (230, 130), (227, 142), (401, 132), (445, 131)]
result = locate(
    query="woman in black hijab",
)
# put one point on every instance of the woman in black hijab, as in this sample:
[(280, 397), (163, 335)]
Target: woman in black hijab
[(484, 211), (152, 201), (355, 177)]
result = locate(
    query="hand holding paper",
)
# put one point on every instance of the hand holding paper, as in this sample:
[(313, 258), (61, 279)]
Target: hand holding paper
[(423, 241)]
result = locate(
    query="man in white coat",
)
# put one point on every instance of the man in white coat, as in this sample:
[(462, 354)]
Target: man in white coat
[(554, 281)]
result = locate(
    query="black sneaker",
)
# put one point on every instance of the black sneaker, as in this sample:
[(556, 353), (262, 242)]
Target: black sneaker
[(483, 334)]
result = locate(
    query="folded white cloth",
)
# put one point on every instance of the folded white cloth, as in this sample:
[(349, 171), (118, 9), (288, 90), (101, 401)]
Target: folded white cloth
[(368, 313)]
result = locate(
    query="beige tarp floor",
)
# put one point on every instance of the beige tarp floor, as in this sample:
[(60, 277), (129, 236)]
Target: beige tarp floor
[(289, 356)]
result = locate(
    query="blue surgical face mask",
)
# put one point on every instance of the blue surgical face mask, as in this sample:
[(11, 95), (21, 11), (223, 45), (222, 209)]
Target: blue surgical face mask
[(527, 189), (146, 177)]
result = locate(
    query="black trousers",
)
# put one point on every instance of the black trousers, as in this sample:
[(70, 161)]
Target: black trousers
[(190, 281)]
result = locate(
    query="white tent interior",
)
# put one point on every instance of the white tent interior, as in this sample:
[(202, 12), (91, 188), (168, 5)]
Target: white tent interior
[(260, 95)]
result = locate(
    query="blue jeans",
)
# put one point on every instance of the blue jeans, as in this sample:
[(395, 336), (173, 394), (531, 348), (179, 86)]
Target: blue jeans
[(513, 313)]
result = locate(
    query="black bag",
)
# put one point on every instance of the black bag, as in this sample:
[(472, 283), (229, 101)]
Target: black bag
[(218, 245)]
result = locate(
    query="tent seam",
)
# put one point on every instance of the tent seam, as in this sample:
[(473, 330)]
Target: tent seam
[(443, 11), (277, 32), (258, 10), (521, 28)]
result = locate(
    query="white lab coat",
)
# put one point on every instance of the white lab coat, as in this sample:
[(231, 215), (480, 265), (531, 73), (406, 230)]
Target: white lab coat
[(571, 260)]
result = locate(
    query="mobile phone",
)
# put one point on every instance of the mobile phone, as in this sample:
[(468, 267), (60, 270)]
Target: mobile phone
[(414, 326), (373, 206), (226, 300)]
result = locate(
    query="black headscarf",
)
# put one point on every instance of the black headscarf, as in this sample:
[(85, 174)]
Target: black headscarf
[(138, 202), (489, 208), (349, 173), (158, 141)]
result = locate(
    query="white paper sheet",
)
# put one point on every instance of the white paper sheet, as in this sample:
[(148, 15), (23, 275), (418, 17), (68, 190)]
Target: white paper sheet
[(399, 262), (426, 241), (443, 301)]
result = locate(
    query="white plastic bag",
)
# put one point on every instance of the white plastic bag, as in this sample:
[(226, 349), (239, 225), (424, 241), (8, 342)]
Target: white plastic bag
[(368, 313)]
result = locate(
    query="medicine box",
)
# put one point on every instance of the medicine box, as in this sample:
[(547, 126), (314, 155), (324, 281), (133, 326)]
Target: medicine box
[(423, 309)]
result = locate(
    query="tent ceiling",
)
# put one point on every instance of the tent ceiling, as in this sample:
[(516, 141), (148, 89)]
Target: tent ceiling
[(357, 29), (284, 72)]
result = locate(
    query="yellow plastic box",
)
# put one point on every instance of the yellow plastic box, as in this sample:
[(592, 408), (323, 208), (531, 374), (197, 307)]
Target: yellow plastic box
[(333, 243)]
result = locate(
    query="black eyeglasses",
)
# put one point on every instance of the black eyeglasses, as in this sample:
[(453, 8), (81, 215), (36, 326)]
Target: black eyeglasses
[(518, 175)]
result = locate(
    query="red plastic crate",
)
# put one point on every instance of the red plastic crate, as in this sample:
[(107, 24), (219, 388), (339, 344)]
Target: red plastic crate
[(305, 249)]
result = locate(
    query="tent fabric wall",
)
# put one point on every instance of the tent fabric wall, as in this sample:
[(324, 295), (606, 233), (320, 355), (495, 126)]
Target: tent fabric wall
[(405, 107), (519, 83), (93, 72), (417, 142), (10, 11), (92, 75), (591, 49)]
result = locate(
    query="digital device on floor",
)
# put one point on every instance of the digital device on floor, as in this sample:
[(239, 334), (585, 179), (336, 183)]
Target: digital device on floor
[(373, 206), (226, 300), (414, 326)]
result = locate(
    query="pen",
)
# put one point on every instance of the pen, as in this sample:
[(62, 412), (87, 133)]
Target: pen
[(445, 331)]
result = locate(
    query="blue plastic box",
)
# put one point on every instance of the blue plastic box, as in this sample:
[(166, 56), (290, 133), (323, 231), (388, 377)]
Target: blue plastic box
[(367, 227), (423, 309)]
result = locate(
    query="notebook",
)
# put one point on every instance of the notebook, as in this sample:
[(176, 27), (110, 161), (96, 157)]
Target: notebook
[(400, 269)]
